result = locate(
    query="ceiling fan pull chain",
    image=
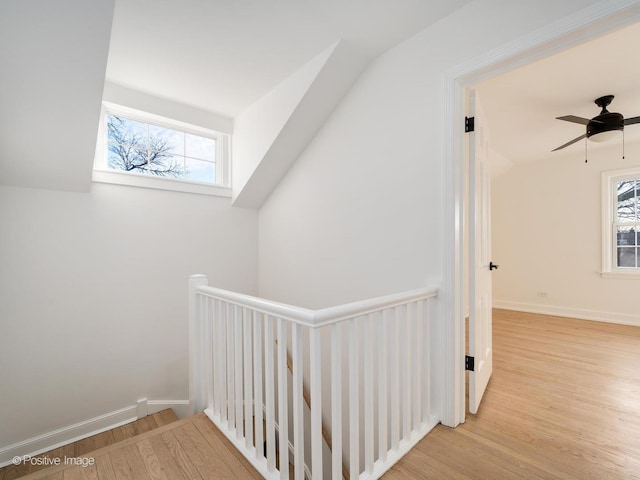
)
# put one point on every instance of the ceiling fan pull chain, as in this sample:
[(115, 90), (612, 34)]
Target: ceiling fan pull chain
[(585, 149), (623, 143)]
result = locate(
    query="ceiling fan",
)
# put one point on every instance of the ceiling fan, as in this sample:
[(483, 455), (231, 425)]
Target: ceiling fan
[(604, 122)]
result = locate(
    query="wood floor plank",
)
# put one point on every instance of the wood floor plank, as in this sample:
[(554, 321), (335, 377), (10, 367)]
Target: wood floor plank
[(201, 454), (165, 417), (136, 463), (85, 446), (169, 466), (73, 473), (69, 451), (119, 464), (151, 422), (55, 476), (47, 458), (223, 447), (211, 463), (16, 471), (187, 468), (150, 459), (104, 467), (140, 426), (123, 432), (90, 472), (103, 439)]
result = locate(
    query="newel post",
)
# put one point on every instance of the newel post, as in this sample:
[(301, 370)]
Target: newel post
[(197, 385)]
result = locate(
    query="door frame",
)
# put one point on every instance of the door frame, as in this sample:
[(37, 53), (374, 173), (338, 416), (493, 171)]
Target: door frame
[(592, 22)]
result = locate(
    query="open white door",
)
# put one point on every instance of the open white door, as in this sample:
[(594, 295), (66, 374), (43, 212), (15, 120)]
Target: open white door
[(480, 362)]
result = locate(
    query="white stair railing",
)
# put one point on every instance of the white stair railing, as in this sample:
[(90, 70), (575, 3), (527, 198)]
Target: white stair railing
[(368, 370)]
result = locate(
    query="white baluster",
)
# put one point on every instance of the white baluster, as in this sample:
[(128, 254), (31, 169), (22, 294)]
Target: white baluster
[(406, 371), (418, 368), (426, 361), (258, 376), (394, 369), (269, 393), (209, 314), (216, 356), (367, 334), (336, 401), (223, 363), (383, 383), (283, 407), (231, 370), (237, 320), (298, 401), (354, 399), (317, 441), (248, 378)]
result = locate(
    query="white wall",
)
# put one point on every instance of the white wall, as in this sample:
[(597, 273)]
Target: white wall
[(547, 234), (359, 214), (93, 296)]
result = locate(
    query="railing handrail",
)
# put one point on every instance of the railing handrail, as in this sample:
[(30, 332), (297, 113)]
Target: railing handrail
[(249, 357), (321, 317)]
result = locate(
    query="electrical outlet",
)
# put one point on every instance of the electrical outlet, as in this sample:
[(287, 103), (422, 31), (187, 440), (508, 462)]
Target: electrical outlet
[(542, 294)]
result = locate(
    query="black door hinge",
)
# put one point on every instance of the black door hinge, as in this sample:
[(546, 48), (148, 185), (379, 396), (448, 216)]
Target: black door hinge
[(469, 363), (469, 124)]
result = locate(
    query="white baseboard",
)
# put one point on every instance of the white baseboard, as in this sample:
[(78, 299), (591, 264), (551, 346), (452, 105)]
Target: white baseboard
[(72, 433), (579, 313)]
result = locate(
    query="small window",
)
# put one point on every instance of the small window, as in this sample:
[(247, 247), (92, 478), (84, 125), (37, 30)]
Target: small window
[(621, 222), (143, 145)]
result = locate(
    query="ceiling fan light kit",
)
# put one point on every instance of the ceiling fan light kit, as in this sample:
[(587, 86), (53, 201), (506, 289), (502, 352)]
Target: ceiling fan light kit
[(602, 127), (604, 137)]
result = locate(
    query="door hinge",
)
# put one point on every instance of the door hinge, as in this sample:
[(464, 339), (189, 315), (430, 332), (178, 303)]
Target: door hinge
[(469, 124), (469, 363)]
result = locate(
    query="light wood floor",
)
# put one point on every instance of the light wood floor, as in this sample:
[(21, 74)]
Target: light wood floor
[(192, 448), (95, 442), (563, 403)]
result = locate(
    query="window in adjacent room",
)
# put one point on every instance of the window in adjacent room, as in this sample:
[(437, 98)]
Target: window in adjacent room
[(621, 222)]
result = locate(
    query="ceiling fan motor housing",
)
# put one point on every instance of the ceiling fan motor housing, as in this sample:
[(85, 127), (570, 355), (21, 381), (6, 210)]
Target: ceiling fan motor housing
[(605, 122)]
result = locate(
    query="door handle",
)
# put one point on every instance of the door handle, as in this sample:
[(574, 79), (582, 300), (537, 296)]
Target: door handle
[(493, 266)]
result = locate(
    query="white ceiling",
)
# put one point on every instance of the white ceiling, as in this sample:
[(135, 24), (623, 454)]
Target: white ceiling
[(222, 55), (521, 105)]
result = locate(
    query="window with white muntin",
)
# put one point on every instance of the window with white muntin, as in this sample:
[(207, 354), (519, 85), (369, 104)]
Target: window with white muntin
[(621, 223), (141, 149)]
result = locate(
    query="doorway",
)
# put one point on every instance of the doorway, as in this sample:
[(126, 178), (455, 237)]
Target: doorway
[(569, 32)]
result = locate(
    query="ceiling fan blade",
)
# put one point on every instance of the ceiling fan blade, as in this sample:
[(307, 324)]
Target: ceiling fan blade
[(574, 119), (632, 120), (570, 143)]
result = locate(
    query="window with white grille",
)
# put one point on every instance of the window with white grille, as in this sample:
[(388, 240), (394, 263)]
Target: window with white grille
[(621, 222)]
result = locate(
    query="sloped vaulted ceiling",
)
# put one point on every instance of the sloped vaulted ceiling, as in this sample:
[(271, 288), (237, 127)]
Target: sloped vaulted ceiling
[(53, 57), (215, 56)]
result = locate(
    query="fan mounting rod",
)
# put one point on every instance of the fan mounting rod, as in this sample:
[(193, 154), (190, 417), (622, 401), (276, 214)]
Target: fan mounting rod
[(603, 102)]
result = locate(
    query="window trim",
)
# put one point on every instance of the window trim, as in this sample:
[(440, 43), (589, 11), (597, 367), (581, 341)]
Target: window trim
[(609, 206), (103, 174)]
